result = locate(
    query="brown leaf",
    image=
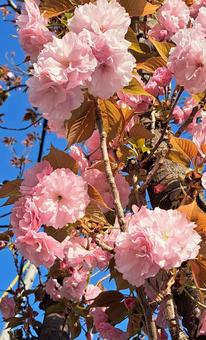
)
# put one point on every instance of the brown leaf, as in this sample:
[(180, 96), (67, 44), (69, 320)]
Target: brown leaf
[(131, 37), (113, 119), (82, 123), (163, 48), (10, 189), (178, 157), (59, 159), (105, 299), (117, 312), (195, 214), (53, 8), (139, 131), (94, 214), (184, 146), (96, 196), (135, 88), (199, 271), (151, 64), (138, 7)]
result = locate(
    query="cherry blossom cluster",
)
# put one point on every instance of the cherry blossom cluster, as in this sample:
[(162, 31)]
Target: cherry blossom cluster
[(186, 28), (93, 55)]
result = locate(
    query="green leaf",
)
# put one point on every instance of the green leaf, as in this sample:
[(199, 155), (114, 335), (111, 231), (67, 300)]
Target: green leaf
[(59, 159), (82, 123)]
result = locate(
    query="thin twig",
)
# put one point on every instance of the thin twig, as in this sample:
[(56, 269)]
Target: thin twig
[(150, 323), (15, 87), (151, 174), (108, 171), (5, 215), (21, 129), (12, 4), (189, 120)]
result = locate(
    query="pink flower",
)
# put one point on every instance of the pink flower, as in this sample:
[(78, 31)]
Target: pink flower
[(153, 88), (77, 153), (178, 114), (34, 175), (106, 330), (68, 60), (159, 188), (95, 18), (188, 59), (194, 9), (7, 307), (74, 286), (199, 135), (162, 76), (98, 179), (39, 248), (53, 288), (114, 65), (172, 16), (93, 145), (25, 216), (134, 256), (158, 32), (154, 239), (91, 293), (53, 99), (61, 198), (202, 325), (200, 20), (78, 252), (33, 33), (130, 303)]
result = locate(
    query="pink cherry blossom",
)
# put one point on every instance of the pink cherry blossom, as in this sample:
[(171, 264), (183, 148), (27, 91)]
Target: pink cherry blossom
[(98, 179), (77, 153), (158, 32), (138, 103), (33, 33), (194, 9), (91, 293), (134, 256), (7, 307), (61, 198), (68, 60), (166, 232), (188, 59), (130, 303), (178, 114), (172, 16), (81, 252), (114, 65), (34, 175), (199, 135), (200, 20), (204, 180), (95, 18), (93, 145), (74, 286), (39, 248), (25, 216), (53, 288), (162, 76)]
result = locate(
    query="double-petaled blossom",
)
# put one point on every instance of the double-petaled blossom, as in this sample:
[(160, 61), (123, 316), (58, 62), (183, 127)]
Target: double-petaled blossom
[(154, 240), (187, 60), (39, 248), (172, 16), (61, 198), (33, 33), (74, 286)]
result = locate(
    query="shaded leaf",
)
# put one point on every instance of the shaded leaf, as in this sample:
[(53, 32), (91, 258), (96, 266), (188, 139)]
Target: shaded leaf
[(60, 234), (117, 312), (163, 48), (10, 188), (198, 267), (184, 146), (112, 117), (96, 196), (74, 326), (151, 64), (105, 299), (138, 7), (94, 214), (140, 131), (82, 123), (135, 88), (131, 37), (59, 159), (120, 282)]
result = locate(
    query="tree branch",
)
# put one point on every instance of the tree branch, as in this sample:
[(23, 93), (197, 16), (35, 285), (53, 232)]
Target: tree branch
[(108, 171), (189, 120), (41, 146)]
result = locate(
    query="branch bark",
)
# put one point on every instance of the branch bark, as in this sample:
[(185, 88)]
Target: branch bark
[(108, 171)]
